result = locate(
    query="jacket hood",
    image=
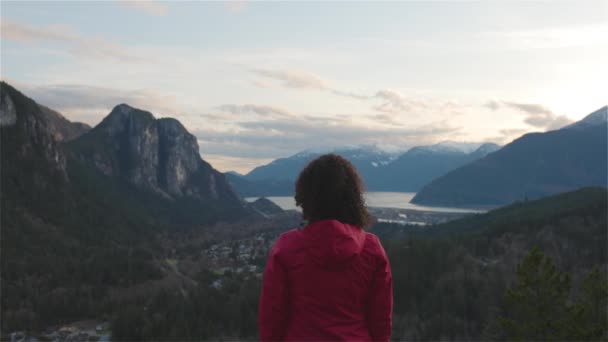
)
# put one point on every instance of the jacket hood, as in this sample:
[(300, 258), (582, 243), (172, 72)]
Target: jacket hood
[(333, 244)]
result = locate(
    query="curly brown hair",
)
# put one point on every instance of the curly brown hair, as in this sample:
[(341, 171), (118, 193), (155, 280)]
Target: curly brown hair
[(330, 187)]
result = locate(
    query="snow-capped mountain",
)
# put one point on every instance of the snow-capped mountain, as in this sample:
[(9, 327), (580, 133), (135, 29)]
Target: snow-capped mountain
[(454, 146), (381, 170), (530, 167), (288, 168)]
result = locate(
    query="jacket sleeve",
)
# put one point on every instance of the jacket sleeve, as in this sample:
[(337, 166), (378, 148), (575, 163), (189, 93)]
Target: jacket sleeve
[(380, 305), (272, 315)]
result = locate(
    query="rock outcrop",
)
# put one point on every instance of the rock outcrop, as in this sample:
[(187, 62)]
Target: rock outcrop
[(152, 154), (28, 137)]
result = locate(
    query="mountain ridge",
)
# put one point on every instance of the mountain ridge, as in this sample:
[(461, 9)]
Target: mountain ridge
[(154, 154), (381, 170), (532, 166)]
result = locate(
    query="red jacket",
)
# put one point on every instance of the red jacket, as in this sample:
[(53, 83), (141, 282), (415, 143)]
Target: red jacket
[(326, 281)]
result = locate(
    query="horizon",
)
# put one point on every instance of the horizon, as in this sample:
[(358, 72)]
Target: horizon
[(391, 74)]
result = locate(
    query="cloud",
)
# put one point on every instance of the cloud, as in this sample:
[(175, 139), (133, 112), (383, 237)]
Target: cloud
[(235, 5), (286, 136), (255, 132), (146, 6), (298, 79), (350, 94), (262, 110), (510, 132), (507, 135), (293, 78), (260, 84), (78, 45), (549, 122), (393, 101), (90, 103), (238, 164), (492, 104), (25, 34), (536, 115), (386, 119), (529, 108)]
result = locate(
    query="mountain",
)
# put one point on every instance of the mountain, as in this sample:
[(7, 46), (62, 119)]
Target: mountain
[(58, 239), (234, 173), (483, 150), (158, 155), (263, 187), (364, 158), (32, 162), (61, 128), (381, 171), (421, 164), (277, 178), (82, 208), (455, 146), (266, 207), (599, 117), (533, 166)]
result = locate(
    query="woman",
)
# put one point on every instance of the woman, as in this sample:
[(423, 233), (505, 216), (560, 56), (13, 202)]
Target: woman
[(330, 280)]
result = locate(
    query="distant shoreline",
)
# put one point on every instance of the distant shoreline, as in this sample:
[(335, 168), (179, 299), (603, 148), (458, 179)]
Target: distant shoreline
[(381, 200)]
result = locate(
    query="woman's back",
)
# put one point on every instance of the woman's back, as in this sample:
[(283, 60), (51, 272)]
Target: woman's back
[(327, 281)]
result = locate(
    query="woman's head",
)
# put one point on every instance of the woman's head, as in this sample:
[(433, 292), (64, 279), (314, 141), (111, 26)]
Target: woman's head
[(330, 187)]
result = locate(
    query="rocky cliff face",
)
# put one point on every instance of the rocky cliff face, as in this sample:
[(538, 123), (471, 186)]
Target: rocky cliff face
[(28, 137), (152, 154), (61, 128)]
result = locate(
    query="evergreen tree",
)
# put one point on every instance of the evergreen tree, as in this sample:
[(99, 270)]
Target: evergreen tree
[(536, 305), (589, 318)]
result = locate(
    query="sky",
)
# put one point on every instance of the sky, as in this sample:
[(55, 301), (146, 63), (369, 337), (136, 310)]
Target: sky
[(255, 81)]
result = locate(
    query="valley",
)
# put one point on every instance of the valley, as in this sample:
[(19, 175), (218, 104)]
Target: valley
[(150, 153), (126, 226)]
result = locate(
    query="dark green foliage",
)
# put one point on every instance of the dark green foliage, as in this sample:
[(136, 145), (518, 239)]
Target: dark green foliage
[(538, 307), (521, 216), (536, 304), (69, 234), (591, 308), (446, 285), (207, 313), (66, 238), (450, 280), (70, 238)]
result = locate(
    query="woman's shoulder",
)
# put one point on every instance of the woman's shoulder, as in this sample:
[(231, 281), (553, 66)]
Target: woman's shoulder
[(373, 245), (287, 239), (289, 235)]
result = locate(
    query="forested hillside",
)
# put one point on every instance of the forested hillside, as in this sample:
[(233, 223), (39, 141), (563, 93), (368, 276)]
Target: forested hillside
[(125, 223), (72, 235), (460, 280)]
